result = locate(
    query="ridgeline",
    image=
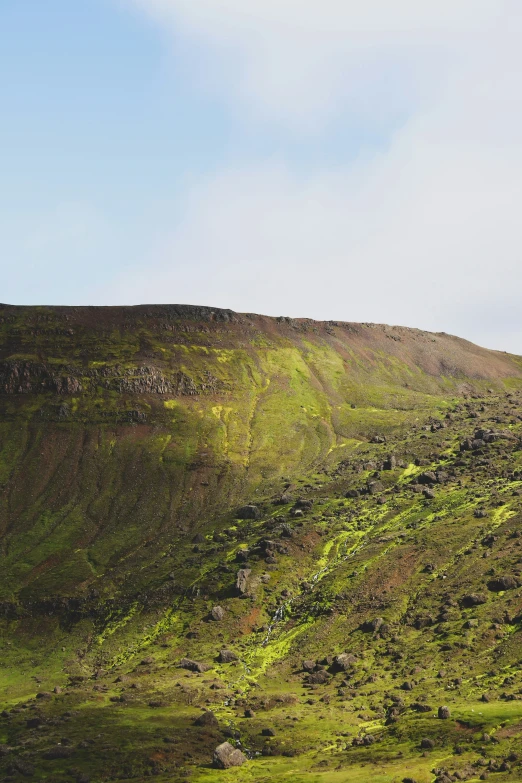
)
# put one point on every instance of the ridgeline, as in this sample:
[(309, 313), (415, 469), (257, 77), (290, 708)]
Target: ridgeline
[(238, 548)]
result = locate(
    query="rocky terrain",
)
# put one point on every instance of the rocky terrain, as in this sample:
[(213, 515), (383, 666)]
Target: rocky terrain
[(239, 548)]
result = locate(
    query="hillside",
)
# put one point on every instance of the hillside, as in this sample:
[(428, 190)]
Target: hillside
[(299, 537)]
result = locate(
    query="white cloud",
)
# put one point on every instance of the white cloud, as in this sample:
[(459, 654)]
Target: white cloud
[(297, 61), (426, 233)]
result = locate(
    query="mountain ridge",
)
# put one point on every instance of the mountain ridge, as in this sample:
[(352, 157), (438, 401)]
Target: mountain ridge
[(297, 537)]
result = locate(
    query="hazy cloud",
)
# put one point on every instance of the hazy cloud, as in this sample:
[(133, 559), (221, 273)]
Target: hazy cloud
[(298, 62), (425, 233)]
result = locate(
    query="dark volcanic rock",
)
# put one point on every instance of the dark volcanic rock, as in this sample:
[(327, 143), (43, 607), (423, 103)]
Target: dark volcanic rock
[(207, 719), (473, 599), (193, 666), (318, 678), (227, 656), (427, 478), (501, 583), (343, 662), (248, 512)]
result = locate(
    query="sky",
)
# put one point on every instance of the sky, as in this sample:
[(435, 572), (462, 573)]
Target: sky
[(338, 160)]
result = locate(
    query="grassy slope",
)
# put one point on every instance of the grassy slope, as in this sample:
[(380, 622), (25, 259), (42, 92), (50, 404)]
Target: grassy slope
[(99, 565)]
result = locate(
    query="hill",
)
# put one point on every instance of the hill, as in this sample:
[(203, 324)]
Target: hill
[(299, 537)]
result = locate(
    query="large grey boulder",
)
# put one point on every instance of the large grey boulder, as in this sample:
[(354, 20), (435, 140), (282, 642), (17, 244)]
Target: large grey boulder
[(242, 580), (226, 756)]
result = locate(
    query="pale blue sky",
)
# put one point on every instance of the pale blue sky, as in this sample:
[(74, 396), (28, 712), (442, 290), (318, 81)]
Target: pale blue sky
[(318, 159)]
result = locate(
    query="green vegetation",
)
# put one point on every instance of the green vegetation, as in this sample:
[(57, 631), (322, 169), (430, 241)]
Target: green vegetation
[(385, 465)]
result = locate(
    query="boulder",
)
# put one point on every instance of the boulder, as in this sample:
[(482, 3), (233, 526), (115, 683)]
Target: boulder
[(343, 662), (375, 487), (242, 580), (268, 733), (227, 656), (207, 719), (284, 500), (193, 666), (501, 583), (226, 756), (444, 713), (373, 625), (473, 599), (318, 678), (419, 707), (217, 613), (428, 477), (248, 512)]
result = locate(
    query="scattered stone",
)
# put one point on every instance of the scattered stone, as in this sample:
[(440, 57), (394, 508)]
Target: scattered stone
[(375, 487), (427, 478), (248, 512), (373, 625), (318, 678), (226, 756), (342, 663), (227, 656), (207, 719), (473, 599), (194, 666), (242, 580), (58, 752), (502, 583)]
